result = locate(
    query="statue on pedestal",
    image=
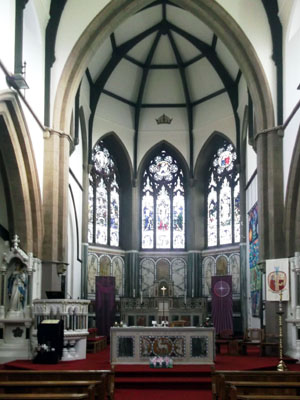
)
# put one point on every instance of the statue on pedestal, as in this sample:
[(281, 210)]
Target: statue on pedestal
[(16, 287)]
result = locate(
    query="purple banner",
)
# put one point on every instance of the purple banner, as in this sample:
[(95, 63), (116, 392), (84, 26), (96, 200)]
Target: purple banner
[(105, 304), (221, 292)]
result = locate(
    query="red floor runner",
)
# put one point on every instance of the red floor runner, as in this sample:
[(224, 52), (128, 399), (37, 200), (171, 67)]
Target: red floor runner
[(182, 382)]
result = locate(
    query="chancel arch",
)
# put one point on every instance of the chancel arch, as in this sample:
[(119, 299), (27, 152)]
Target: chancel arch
[(226, 29), (292, 209)]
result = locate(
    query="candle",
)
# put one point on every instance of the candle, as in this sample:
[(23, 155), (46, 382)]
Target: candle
[(141, 296), (133, 292)]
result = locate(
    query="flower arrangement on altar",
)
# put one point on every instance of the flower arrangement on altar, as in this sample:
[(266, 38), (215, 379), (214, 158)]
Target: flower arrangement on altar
[(161, 362)]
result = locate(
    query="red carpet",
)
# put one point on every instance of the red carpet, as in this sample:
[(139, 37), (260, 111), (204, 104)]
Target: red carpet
[(190, 382)]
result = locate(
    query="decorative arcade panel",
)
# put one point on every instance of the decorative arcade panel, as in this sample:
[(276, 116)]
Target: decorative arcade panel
[(184, 345)]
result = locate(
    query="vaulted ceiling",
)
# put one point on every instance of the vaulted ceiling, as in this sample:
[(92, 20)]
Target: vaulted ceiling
[(164, 61)]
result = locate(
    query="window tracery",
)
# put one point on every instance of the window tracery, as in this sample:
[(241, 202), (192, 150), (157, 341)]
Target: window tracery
[(223, 198), (163, 204), (104, 202)]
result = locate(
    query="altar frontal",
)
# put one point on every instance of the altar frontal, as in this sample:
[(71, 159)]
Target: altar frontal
[(185, 345)]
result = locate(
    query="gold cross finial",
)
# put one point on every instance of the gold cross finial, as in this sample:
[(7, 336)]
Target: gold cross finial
[(163, 290)]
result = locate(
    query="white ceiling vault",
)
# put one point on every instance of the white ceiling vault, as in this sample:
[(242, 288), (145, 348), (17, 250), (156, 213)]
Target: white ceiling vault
[(163, 61)]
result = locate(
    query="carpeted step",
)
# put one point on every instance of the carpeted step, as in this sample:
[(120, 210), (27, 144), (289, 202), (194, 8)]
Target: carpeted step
[(169, 379), (163, 379)]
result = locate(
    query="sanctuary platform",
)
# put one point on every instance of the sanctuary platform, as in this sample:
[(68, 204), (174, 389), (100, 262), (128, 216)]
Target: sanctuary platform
[(185, 345)]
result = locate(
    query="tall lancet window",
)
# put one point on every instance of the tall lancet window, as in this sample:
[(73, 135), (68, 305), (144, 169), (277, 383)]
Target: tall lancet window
[(223, 198), (104, 202), (163, 204)]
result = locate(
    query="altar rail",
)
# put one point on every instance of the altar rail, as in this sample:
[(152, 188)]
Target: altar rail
[(74, 313)]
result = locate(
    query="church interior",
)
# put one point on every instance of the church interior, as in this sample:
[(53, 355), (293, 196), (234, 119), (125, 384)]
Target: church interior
[(149, 175)]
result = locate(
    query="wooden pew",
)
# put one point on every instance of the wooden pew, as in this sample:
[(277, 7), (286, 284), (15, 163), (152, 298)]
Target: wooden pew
[(275, 388), (106, 376), (266, 397), (92, 388), (44, 396), (219, 378)]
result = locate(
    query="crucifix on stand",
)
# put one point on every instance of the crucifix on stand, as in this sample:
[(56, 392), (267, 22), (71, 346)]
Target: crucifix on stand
[(163, 289)]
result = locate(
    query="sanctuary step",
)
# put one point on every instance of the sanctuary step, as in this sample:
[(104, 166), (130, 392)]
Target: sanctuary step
[(144, 377)]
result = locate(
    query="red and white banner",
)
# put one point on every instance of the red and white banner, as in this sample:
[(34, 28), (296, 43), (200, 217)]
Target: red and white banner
[(277, 279)]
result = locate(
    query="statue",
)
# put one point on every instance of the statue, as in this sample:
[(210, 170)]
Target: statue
[(16, 287)]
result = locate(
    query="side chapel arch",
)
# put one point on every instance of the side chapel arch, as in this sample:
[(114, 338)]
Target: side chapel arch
[(292, 208), (19, 171)]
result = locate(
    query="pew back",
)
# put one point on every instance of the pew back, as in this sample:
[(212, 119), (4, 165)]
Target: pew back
[(105, 376), (260, 389), (219, 378)]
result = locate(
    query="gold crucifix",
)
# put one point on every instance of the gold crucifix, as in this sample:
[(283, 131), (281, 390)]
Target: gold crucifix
[(163, 290)]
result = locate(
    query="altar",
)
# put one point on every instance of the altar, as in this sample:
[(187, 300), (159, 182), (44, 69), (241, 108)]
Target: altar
[(185, 345)]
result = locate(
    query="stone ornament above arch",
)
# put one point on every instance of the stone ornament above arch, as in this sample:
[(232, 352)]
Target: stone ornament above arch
[(210, 12)]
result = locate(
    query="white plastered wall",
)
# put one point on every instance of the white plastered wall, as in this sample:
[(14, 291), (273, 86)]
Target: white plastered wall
[(289, 12), (75, 17), (7, 38), (252, 18)]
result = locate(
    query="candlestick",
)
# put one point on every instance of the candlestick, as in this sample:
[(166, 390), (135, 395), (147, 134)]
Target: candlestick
[(281, 365), (163, 290)]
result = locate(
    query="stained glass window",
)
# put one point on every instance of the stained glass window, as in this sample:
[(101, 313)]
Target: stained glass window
[(104, 204), (223, 198), (163, 204)]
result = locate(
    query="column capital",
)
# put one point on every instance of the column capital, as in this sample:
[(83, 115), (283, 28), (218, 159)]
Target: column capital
[(275, 129), (48, 132)]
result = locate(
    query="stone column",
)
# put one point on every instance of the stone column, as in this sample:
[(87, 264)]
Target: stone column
[(270, 204), (55, 208), (84, 265), (132, 282), (293, 310), (194, 274)]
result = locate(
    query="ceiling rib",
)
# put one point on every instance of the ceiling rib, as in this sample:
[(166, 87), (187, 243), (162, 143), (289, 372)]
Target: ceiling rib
[(166, 28), (140, 96), (189, 108)]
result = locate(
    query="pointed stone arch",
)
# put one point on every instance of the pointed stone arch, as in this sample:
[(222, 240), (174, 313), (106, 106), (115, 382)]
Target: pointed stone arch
[(211, 13), (292, 208), (119, 152), (20, 176), (164, 144)]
